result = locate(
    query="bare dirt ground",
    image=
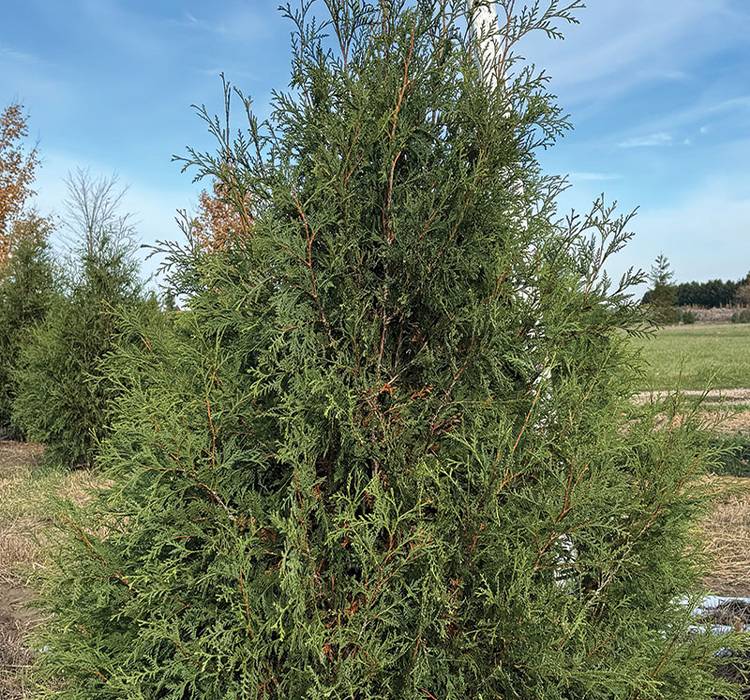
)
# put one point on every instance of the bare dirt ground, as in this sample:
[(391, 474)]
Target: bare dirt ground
[(17, 553), (724, 397)]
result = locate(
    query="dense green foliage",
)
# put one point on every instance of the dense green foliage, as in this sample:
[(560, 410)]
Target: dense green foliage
[(661, 302), (27, 290), (62, 395), (711, 294), (664, 296), (388, 452), (735, 455)]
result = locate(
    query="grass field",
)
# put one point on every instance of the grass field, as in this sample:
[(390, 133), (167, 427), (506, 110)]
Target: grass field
[(698, 357)]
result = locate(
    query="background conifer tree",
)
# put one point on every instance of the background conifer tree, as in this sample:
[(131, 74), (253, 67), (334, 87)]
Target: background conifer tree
[(27, 291), (388, 451), (662, 297), (62, 396)]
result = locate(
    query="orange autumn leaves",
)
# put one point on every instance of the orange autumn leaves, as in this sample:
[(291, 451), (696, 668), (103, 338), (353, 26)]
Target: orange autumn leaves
[(221, 219), (17, 172)]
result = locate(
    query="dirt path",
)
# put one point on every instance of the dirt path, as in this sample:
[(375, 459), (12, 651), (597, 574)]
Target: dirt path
[(725, 397), (26, 490), (17, 558), (738, 394)]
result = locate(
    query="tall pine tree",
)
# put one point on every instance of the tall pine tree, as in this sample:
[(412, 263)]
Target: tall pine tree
[(388, 450)]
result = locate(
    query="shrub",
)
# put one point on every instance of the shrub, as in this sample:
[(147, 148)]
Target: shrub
[(742, 316), (27, 290), (388, 451), (688, 317), (664, 315)]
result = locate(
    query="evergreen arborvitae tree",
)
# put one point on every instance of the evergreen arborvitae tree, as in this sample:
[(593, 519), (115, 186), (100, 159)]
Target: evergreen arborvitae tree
[(388, 450), (62, 395), (27, 290)]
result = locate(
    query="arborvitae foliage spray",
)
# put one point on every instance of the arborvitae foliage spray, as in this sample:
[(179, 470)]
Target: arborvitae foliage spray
[(388, 450)]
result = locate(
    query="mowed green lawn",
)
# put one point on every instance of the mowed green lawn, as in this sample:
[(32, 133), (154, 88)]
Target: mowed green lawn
[(698, 357)]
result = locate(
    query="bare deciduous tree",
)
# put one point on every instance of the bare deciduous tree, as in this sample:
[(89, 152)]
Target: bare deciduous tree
[(93, 213)]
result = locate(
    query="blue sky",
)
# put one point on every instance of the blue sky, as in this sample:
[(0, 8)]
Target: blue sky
[(658, 90)]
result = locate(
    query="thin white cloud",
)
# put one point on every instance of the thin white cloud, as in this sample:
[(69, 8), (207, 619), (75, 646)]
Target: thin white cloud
[(688, 120), (593, 177), (239, 22), (677, 76), (124, 27), (710, 108), (661, 138), (8, 53), (655, 42), (31, 81), (740, 102)]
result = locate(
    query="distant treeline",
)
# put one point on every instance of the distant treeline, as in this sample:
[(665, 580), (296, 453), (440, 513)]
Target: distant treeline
[(711, 294)]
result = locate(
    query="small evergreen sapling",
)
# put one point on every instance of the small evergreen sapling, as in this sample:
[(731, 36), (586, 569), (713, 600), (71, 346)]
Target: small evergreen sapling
[(662, 297), (340, 472)]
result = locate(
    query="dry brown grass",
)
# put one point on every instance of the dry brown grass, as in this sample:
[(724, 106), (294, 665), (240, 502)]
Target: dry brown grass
[(727, 532), (15, 655), (26, 492), (737, 423)]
